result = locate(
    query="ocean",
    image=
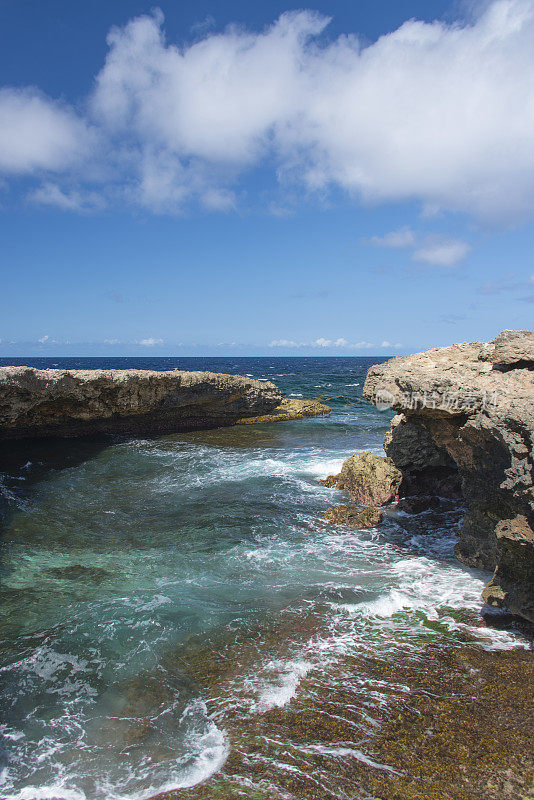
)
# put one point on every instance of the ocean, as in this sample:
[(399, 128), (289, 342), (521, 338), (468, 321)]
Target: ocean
[(160, 596)]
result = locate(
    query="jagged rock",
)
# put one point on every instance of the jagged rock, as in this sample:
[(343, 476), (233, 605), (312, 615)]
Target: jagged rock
[(354, 517), (58, 402), (479, 418), (369, 479), (292, 408), (512, 348)]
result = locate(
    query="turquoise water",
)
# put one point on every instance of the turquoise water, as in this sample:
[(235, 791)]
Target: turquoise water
[(117, 555)]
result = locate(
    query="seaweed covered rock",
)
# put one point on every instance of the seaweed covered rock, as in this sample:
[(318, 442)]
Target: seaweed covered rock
[(370, 480), (292, 408), (354, 517)]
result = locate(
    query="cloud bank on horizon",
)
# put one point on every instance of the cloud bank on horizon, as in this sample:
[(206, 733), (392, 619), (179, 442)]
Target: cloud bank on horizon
[(438, 113)]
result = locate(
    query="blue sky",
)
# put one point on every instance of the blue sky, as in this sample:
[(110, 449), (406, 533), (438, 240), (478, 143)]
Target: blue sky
[(251, 179)]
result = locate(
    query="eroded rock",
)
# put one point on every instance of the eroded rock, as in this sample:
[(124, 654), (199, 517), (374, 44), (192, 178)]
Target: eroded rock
[(512, 349), (292, 408), (370, 480), (354, 517), (57, 402), (460, 414)]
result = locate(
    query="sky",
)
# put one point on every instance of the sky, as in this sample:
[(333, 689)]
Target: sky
[(236, 178)]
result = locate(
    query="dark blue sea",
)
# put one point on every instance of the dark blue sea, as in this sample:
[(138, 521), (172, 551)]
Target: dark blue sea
[(129, 566)]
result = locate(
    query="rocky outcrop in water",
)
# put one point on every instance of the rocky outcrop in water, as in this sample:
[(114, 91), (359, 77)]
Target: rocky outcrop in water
[(292, 408), (354, 517), (465, 424), (57, 402), (370, 480)]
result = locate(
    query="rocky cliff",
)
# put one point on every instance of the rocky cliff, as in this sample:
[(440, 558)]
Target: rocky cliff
[(465, 424), (57, 402)]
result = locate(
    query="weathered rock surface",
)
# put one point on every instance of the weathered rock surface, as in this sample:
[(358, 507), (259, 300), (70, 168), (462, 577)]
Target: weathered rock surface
[(292, 408), (57, 402), (354, 517), (462, 415), (512, 348), (370, 480)]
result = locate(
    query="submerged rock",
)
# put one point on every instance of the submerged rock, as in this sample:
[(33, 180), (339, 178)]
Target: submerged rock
[(75, 572), (369, 479), (292, 408), (58, 402), (354, 517), (466, 418)]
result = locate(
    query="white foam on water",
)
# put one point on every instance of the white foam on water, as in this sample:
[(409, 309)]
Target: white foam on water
[(347, 752), (277, 690), (55, 791)]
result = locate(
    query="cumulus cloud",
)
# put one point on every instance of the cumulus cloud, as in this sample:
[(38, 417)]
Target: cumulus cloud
[(403, 237), (150, 342), (442, 252), (37, 133), (438, 113), (436, 251)]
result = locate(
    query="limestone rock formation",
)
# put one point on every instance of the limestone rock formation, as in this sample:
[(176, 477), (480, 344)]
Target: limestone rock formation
[(466, 417), (292, 408), (512, 349), (354, 517), (370, 480), (57, 402)]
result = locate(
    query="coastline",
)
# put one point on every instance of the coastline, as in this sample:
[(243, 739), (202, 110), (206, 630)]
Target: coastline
[(267, 683)]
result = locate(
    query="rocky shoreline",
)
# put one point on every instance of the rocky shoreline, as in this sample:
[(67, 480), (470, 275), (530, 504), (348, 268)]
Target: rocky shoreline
[(66, 403), (464, 429)]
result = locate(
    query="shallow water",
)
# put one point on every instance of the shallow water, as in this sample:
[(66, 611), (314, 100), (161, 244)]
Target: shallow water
[(120, 559)]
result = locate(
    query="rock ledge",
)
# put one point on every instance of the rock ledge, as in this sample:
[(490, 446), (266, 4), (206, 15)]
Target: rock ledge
[(65, 403)]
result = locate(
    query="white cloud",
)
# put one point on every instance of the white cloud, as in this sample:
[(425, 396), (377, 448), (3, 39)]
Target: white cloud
[(37, 133), (441, 113), (218, 200), (434, 112), (44, 338), (321, 342), (442, 252), (111, 341), (50, 194), (401, 238), (433, 250), (151, 342)]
